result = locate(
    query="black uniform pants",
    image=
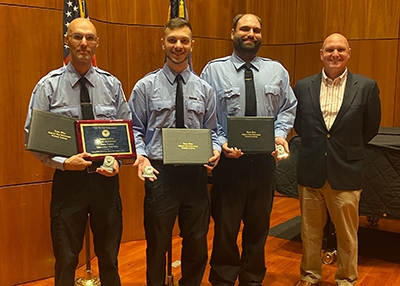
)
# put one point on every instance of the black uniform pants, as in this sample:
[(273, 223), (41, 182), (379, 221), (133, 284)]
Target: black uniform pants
[(242, 190), (75, 194), (179, 191)]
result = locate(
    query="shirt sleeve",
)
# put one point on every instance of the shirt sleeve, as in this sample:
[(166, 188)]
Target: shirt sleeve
[(287, 111), (137, 105)]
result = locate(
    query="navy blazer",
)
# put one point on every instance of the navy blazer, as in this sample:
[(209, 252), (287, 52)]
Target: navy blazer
[(335, 155)]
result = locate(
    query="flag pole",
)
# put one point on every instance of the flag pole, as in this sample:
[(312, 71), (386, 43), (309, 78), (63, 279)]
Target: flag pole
[(88, 279)]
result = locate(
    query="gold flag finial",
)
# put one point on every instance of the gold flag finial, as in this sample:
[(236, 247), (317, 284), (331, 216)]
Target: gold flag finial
[(181, 9), (81, 9)]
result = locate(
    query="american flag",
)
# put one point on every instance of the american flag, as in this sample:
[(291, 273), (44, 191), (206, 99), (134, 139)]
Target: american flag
[(73, 9)]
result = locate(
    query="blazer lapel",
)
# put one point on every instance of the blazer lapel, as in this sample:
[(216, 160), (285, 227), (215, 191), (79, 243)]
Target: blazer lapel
[(315, 90), (348, 97)]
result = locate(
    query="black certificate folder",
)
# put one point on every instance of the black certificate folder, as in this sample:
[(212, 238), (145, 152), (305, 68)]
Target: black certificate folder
[(186, 146), (251, 134), (52, 133)]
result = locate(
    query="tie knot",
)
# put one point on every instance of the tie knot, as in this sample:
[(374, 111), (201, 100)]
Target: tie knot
[(82, 80), (247, 66), (178, 78)]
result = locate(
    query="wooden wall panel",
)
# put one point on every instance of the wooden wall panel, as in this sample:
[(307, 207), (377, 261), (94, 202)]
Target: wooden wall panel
[(368, 19), (361, 19), (367, 60), (97, 10), (132, 194), (52, 4), (309, 21), (28, 52), (212, 19), (283, 54), (397, 92), (206, 50), (278, 17), (25, 243), (144, 53), (307, 60), (149, 13)]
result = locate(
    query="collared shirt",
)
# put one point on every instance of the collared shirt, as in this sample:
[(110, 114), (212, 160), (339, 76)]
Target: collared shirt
[(59, 92), (274, 95), (152, 103), (331, 96)]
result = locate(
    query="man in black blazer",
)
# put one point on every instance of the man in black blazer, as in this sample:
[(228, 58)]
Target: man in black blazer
[(338, 113)]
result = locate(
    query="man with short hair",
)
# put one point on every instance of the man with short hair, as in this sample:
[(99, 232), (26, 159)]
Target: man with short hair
[(338, 113), (243, 184), (80, 186), (175, 190)]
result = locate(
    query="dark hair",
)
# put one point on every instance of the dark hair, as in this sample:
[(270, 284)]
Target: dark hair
[(239, 16), (176, 23)]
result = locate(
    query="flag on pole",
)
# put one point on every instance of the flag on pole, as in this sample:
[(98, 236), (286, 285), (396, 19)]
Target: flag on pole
[(73, 9), (177, 9)]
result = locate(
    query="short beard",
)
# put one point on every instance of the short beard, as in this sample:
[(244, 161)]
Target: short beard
[(244, 50)]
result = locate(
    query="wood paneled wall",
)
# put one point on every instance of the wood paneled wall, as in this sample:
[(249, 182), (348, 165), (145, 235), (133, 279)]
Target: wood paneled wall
[(130, 32)]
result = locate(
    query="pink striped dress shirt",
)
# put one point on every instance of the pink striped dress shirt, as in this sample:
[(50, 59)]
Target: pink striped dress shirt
[(331, 96)]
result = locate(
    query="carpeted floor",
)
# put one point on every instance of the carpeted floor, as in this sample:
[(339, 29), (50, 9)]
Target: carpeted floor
[(372, 242)]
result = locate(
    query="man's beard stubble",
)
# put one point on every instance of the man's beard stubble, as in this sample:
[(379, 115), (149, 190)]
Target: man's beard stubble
[(242, 49)]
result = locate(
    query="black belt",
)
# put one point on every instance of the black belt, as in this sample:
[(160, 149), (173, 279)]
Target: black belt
[(92, 168)]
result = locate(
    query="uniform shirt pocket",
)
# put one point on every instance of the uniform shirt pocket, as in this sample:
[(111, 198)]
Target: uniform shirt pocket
[(195, 112), (71, 111), (230, 100), (103, 111), (272, 94), (160, 105)]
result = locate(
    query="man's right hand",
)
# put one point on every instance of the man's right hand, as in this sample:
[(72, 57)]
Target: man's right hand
[(141, 162), (77, 162), (233, 153)]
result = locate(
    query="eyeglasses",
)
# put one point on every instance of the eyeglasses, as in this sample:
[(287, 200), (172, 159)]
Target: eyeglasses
[(79, 37)]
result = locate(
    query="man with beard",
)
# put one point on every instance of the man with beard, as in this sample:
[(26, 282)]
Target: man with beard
[(176, 190), (243, 186)]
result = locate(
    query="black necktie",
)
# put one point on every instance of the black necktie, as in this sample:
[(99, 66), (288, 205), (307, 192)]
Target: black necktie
[(251, 109), (179, 123), (86, 105)]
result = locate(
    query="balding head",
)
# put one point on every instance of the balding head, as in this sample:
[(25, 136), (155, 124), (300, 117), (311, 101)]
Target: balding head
[(82, 41), (81, 23), (334, 53)]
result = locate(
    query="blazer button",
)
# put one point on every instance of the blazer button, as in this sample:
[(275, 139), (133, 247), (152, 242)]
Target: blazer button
[(328, 135), (326, 154)]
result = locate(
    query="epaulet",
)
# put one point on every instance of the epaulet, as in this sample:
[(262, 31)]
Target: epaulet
[(266, 59), (57, 72), (193, 72), (100, 71), (152, 72), (223, 59)]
